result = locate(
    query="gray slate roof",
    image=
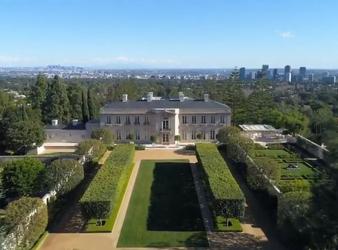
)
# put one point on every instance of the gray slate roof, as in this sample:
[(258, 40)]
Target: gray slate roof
[(188, 105)]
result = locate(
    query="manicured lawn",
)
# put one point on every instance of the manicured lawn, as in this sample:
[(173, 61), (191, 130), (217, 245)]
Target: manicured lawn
[(163, 210), (301, 171), (284, 158), (273, 153), (233, 225)]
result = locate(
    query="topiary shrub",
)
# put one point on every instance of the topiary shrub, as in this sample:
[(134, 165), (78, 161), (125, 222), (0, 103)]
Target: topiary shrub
[(140, 147), (26, 220)]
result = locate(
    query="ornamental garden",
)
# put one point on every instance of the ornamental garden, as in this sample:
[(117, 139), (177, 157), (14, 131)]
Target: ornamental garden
[(164, 209)]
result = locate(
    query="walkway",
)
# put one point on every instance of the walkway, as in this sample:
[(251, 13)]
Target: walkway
[(104, 157)]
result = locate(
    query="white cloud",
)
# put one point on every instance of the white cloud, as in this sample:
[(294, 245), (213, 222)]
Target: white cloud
[(285, 34)]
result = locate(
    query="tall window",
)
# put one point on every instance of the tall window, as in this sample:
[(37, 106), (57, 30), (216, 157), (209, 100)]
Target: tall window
[(203, 135), (184, 119), (108, 121), (146, 120), (212, 135), (127, 120), (203, 120), (137, 120), (193, 119), (118, 135), (184, 135), (118, 120), (222, 119), (165, 124), (137, 135), (212, 119), (193, 135)]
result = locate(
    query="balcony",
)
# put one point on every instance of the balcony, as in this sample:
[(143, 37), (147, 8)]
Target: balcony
[(165, 129)]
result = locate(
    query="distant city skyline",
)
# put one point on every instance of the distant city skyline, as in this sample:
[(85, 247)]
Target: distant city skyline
[(173, 34)]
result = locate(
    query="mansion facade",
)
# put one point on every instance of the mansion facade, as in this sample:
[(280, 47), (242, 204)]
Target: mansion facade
[(165, 120)]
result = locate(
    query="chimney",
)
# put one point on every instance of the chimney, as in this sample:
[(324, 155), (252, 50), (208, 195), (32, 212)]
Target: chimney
[(125, 98), (181, 96), (150, 96), (55, 122), (206, 97)]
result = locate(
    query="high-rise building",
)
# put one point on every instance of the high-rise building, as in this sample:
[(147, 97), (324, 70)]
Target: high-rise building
[(302, 73), (265, 68), (311, 77), (275, 74), (288, 77), (287, 70), (242, 74), (252, 75)]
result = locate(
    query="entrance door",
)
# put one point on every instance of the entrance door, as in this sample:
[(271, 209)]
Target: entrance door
[(165, 138)]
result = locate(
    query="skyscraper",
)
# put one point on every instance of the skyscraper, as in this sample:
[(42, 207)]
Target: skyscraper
[(265, 68), (275, 74), (287, 70), (302, 73), (242, 74)]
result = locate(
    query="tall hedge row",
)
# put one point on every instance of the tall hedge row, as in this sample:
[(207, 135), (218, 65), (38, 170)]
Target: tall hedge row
[(99, 198), (228, 199), (26, 220)]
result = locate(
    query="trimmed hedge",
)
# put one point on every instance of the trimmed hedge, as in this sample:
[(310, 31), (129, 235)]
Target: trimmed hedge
[(227, 197), (63, 175), (26, 220), (294, 185), (99, 198)]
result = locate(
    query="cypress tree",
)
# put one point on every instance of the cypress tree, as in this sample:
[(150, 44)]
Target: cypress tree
[(92, 105), (85, 112)]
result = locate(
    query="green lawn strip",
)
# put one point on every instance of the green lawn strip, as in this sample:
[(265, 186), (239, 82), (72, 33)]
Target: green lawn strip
[(233, 225), (274, 153), (163, 201)]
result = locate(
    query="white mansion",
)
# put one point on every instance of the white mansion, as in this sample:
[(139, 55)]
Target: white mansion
[(167, 120)]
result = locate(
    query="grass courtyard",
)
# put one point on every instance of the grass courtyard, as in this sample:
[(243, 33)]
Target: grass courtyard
[(164, 209)]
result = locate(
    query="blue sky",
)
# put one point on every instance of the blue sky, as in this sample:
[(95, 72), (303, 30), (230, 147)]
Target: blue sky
[(169, 34)]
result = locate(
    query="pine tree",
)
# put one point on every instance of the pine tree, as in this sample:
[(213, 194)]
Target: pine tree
[(75, 100), (56, 105), (38, 93)]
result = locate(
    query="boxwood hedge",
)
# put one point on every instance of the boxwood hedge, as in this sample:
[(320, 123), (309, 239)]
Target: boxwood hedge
[(99, 198), (227, 197)]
